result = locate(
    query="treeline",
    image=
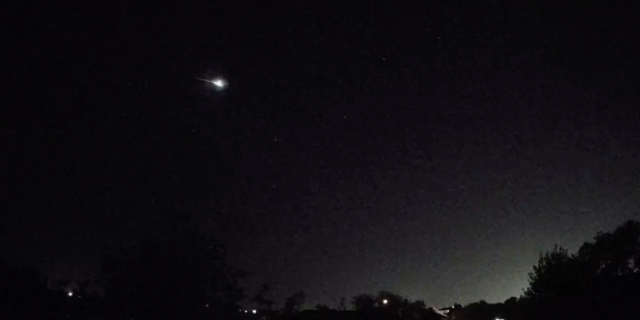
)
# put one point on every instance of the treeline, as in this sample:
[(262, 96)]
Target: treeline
[(186, 276), (600, 281), (181, 276)]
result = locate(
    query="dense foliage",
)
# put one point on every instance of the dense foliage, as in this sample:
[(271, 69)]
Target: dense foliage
[(172, 278)]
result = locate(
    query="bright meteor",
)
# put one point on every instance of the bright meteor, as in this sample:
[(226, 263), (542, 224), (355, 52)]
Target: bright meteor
[(220, 83)]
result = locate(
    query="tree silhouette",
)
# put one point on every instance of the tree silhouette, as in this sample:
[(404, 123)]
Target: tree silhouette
[(414, 309), (414, 305), (177, 277), (552, 274), (260, 298), (294, 303), (482, 310), (364, 302), (342, 306), (602, 280), (322, 307), (24, 295), (614, 253)]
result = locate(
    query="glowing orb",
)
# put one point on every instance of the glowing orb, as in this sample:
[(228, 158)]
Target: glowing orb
[(218, 83)]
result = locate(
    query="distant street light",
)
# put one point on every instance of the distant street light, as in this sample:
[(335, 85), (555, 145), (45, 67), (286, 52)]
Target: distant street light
[(385, 301), (254, 311), (70, 294)]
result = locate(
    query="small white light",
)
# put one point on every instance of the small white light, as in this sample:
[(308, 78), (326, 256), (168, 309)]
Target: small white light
[(254, 311), (246, 311), (70, 294), (385, 301)]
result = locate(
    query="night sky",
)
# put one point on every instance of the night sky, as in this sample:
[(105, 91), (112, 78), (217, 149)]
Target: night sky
[(433, 150)]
